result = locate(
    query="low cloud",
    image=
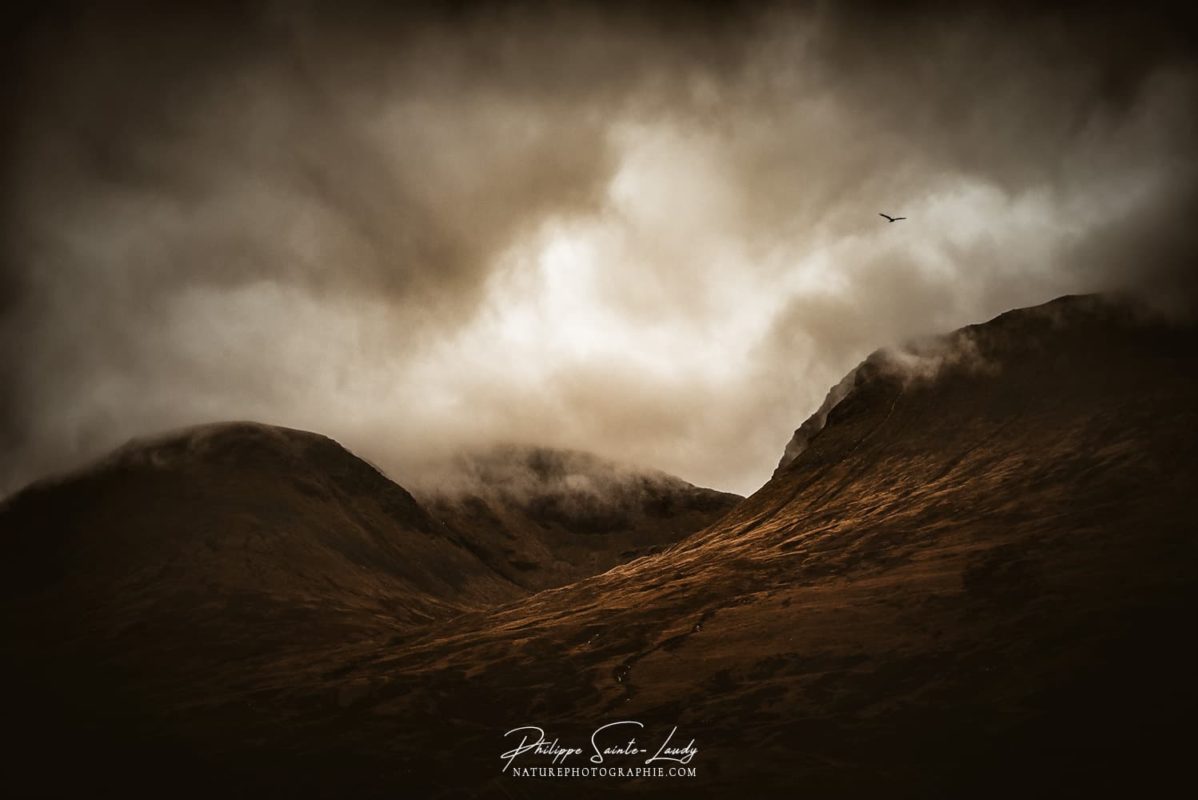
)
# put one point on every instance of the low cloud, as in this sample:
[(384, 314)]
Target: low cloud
[(649, 234), (924, 361)]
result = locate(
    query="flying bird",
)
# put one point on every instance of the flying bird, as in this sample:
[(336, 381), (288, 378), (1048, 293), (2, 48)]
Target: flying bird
[(890, 218)]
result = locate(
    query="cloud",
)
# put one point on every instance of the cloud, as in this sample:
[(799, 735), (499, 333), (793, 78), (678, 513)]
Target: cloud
[(650, 234)]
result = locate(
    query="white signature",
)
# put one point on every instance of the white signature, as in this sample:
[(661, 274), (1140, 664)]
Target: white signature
[(604, 743)]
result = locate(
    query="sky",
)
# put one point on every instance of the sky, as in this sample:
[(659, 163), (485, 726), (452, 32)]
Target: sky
[(647, 231)]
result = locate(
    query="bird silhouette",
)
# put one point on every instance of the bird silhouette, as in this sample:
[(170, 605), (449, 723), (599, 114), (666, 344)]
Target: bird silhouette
[(890, 218)]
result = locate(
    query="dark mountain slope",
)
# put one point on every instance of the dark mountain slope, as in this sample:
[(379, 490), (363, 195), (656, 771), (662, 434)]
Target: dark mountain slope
[(183, 569), (205, 568), (216, 511), (192, 559)]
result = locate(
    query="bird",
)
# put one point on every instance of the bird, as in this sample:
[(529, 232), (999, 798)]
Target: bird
[(890, 218)]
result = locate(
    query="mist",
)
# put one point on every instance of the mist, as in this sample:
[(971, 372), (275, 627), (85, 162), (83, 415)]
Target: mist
[(653, 235)]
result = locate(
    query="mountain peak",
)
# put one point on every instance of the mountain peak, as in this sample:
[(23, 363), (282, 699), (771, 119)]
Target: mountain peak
[(982, 351)]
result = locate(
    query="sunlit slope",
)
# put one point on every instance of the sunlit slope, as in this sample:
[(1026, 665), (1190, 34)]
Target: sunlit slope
[(978, 575)]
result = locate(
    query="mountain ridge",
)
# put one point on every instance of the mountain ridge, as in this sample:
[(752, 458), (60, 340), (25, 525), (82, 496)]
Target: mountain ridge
[(976, 578), (990, 558), (577, 514)]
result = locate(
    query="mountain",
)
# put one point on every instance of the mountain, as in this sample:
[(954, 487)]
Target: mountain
[(976, 578), (543, 518), (246, 514), (212, 557), (189, 568), (973, 576)]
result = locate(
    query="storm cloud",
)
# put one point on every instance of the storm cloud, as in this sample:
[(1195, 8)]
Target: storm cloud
[(649, 234)]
